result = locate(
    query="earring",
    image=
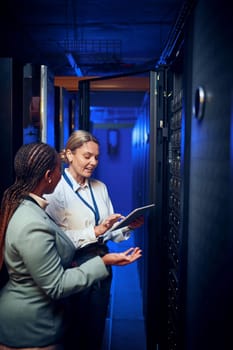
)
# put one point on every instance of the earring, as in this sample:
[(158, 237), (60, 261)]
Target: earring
[(50, 180)]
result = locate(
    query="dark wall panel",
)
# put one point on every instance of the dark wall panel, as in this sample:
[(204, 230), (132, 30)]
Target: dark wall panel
[(11, 134), (209, 282)]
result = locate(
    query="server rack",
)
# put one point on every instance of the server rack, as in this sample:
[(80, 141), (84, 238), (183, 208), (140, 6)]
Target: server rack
[(170, 237), (174, 232), (166, 249), (167, 184)]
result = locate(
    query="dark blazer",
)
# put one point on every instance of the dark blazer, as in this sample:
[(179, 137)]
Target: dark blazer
[(36, 252)]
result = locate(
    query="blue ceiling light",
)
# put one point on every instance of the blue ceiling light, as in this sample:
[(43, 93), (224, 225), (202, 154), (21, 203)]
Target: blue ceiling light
[(73, 64)]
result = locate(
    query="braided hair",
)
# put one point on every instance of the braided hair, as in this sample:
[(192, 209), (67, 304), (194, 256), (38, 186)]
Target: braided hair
[(30, 164)]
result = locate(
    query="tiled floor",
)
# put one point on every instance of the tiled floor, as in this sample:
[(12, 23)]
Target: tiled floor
[(126, 324)]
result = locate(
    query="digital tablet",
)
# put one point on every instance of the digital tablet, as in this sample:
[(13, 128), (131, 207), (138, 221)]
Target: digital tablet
[(136, 213)]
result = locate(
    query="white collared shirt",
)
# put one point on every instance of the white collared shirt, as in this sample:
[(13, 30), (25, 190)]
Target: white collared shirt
[(75, 218)]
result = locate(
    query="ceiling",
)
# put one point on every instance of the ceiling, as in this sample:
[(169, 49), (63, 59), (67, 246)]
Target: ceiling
[(88, 38)]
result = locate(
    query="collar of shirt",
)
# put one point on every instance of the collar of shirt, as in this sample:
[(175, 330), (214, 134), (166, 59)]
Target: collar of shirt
[(41, 201), (75, 184)]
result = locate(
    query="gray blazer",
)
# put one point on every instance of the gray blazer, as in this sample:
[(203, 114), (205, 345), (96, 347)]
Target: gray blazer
[(36, 252)]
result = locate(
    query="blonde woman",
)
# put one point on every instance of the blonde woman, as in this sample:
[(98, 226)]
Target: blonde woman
[(81, 206)]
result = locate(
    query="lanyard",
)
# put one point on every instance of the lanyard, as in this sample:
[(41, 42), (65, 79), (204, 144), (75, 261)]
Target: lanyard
[(95, 209)]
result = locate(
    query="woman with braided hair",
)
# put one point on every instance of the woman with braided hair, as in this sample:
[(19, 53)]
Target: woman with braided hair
[(37, 254)]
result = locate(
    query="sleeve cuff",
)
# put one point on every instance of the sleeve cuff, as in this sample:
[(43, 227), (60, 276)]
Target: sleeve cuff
[(125, 230)]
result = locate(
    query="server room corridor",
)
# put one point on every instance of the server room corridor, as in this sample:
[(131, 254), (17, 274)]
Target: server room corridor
[(125, 324), (125, 327)]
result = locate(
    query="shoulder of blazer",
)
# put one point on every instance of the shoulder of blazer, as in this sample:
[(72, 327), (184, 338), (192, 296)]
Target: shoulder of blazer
[(64, 245)]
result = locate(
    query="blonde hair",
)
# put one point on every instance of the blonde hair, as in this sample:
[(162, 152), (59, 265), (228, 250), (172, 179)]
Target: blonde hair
[(76, 140)]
